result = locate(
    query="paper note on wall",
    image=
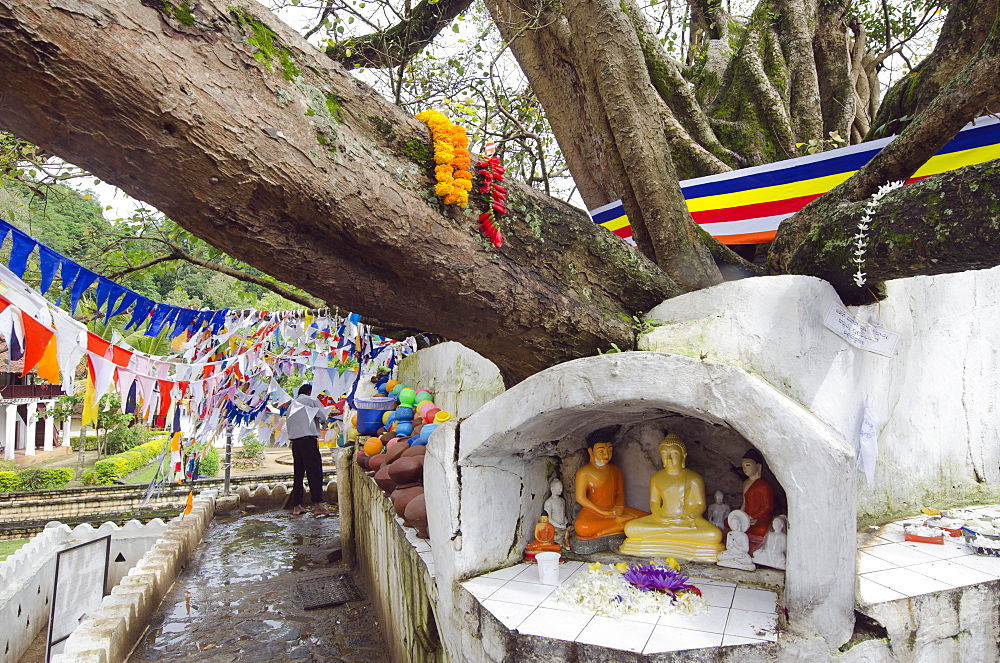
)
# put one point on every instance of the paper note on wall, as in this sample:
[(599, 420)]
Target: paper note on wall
[(863, 335)]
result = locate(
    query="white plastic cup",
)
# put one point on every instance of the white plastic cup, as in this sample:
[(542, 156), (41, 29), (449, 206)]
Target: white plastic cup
[(548, 567)]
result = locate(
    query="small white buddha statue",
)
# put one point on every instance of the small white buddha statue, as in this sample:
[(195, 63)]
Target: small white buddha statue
[(718, 511), (772, 551), (737, 552), (555, 505)]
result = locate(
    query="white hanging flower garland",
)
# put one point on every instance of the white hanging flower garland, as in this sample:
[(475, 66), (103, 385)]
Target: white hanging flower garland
[(861, 237)]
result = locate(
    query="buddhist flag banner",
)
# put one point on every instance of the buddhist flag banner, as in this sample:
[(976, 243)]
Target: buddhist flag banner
[(612, 216), (745, 206)]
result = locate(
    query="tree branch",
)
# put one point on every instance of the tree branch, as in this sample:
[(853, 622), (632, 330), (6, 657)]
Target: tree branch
[(968, 95), (178, 253), (146, 264), (396, 45), (963, 33)]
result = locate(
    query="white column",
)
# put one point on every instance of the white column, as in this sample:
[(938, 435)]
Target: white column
[(30, 426), (49, 425), (22, 430), (8, 416), (67, 428)]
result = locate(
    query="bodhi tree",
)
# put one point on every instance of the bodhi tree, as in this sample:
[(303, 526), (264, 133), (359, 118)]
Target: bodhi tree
[(252, 139)]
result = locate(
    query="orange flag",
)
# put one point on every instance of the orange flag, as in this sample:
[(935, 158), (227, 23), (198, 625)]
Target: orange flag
[(190, 502), (48, 365), (36, 340)]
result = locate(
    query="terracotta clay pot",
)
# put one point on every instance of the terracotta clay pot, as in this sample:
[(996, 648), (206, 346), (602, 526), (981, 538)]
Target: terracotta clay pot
[(383, 480), (407, 471), (418, 450), (401, 497), (385, 437), (362, 460), (416, 514), (395, 451), (375, 462)]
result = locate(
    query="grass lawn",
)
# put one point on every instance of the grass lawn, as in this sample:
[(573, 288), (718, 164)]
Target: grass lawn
[(146, 474), (8, 547)]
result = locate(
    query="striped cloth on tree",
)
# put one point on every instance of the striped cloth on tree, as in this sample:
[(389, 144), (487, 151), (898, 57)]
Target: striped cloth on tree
[(745, 206)]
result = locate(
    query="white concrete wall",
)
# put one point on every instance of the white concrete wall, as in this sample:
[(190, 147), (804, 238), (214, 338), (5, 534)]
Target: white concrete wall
[(460, 379), (111, 631), (935, 398), (27, 577)]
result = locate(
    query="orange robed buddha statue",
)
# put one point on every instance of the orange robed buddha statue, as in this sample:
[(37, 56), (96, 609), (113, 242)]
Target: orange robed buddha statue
[(676, 527), (600, 492), (758, 498), (545, 539)]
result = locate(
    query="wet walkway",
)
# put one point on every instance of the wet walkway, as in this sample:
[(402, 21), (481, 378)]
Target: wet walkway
[(236, 601)]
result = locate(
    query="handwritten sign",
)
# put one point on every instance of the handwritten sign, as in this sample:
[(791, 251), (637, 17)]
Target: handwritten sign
[(863, 335)]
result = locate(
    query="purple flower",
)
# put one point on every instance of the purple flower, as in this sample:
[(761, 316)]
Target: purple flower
[(649, 577)]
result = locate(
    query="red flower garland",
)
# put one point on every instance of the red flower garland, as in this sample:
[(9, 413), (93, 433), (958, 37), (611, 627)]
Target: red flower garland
[(492, 172)]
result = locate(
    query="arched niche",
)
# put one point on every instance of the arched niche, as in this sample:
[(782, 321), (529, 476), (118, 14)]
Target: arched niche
[(502, 451)]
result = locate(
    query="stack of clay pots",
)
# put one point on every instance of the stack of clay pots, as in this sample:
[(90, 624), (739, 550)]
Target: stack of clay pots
[(395, 457)]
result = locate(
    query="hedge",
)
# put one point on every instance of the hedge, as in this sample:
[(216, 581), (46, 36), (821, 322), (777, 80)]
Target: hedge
[(209, 466), (35, 479), (113, 468)]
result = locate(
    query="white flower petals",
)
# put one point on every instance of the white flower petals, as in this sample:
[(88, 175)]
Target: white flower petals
[(860, 239), (605, 592)]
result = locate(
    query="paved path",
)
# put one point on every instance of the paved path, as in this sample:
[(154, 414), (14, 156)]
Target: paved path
[(236, 600)]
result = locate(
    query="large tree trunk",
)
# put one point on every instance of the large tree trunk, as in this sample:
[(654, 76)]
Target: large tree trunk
[(963, 33), (587, 70), (244, 134), (973, 89)]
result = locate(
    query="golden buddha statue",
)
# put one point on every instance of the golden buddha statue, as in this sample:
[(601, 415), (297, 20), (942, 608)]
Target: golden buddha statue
[(600, 492), (676, 527)]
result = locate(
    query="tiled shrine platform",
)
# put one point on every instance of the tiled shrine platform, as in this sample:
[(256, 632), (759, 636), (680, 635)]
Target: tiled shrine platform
[(736, 616), (889, 569)]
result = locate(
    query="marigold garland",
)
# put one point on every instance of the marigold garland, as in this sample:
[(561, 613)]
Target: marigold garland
[(451, 154)]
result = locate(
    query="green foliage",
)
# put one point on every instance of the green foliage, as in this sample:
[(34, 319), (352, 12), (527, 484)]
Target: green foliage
[(252, 447), (209, 466), (114, 468), (640, 325), (91, 442), (417, 150), (9, 481), (64, 408), (816, 146), (123, 438), (182, 12), (35, 479), (7, 465)]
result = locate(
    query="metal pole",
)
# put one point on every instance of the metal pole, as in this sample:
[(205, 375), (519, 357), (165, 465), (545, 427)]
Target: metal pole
[(229, 456)]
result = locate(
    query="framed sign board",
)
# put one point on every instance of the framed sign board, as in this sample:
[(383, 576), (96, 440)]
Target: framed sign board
[(81, 573)]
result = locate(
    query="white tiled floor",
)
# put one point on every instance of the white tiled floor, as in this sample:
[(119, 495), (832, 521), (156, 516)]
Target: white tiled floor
[(891, 568), (737, 615)]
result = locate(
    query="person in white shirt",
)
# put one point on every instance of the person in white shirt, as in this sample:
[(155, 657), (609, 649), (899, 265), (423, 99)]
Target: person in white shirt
[(304, 418)]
